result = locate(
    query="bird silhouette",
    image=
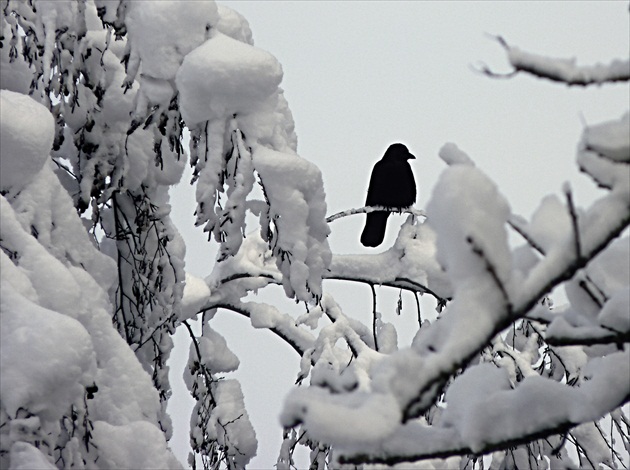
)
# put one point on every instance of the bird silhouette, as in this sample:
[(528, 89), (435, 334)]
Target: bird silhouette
[(391, 185)]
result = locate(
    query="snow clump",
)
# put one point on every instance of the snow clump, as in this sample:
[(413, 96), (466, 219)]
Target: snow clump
[(224, 77), (162, 33), (27, 130)]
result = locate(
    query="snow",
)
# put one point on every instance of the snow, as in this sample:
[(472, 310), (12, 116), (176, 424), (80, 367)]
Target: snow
[(411, 259), (27, 130), (215, 355), (467, 397), (59, 231), (115, 451), (604, 153), (196, 292), (550, 225), (25, 456), (58, 13), (486, 405), (15, 74), (616, 312), (231, 423), (452, 155), (609, 274), (368, 417), (469, 215), (57, 332), (163, 32), (609, 139), (567, 70), (477, 402), (158, 92), (233, 24), (65, 366), (297, 209), (223, 77), (31, 335)]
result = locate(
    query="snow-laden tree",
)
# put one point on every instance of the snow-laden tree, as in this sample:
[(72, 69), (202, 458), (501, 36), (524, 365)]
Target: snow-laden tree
[(96, 97)]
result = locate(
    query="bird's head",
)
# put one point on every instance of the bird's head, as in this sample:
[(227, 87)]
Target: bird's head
[(399, 151)]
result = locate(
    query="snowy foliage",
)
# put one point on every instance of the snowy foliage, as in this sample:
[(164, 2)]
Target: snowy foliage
[(95, 99)]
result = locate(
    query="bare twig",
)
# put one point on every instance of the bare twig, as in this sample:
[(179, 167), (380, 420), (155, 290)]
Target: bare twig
[(415, 295), (574, 221), (374, 317)]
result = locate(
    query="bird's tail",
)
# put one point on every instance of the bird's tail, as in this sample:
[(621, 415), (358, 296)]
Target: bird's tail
[(374, 231)]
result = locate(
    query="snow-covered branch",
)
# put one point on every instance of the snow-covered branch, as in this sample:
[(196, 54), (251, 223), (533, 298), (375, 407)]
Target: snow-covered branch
[(368, 209), (95, 98), (269, 317), (479, 311), (458, 432), (550, 272), (561, 70)]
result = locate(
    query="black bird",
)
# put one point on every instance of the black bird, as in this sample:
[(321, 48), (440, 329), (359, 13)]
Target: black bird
[(391, 185)]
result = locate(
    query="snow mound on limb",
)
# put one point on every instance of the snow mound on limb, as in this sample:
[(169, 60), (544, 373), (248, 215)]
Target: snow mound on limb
[(27, 130), (196, 292), (55, 312), (238, 435), (233, 24), (224, 77), (114, 449), (604, 153), (215, 354), (25, 456), (609, 139), (297, 209), (15, 73), (368, 417), (469, 215), (30, 336), (163, 32), (614, 315), (411, 260)]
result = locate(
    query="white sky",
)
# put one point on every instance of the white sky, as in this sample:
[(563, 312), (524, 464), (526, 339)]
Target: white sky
[(360, 75)]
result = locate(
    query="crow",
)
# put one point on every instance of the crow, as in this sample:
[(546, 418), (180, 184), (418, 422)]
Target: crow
[(391, 185)]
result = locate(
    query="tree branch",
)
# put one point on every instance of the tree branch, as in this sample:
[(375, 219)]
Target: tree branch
[(368, 209), (562, 271), (560, 70), (284, 333)]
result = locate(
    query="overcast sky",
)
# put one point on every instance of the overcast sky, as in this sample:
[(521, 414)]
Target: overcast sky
[(359, 76)]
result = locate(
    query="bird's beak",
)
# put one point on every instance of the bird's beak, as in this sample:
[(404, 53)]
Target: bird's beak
[(411, 156)]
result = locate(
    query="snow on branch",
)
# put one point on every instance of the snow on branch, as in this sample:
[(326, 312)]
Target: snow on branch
[(481, 425), (409, 264), (89, 303), (469, 217), (368, 209), (267, 316), (561, 70)]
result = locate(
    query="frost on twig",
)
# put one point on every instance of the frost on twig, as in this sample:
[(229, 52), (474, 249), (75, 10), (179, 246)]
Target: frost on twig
[(560, 70)]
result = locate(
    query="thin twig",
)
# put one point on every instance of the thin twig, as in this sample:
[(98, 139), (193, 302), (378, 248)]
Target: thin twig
[(415, 295), (491, 269), (518, 228), (374, 317), (574, 221)]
